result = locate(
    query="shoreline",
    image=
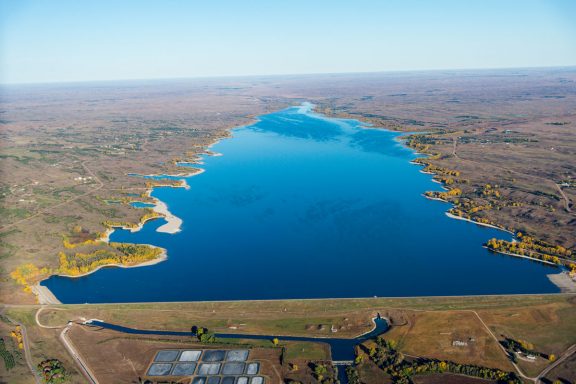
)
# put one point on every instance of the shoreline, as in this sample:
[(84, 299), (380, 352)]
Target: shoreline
[(435, 199), (477, 223), (173, 223), (523, 257), (563, 281), (45, 296), (162, 257)]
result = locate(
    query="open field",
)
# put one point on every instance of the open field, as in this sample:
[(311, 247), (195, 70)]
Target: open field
[(67, 149), (418, 324), (432, 334)]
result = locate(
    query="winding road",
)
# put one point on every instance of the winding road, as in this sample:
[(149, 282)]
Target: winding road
[(27, 353), (569, 352)]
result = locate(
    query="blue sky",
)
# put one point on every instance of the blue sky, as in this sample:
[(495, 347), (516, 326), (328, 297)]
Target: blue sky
[(75, 40)]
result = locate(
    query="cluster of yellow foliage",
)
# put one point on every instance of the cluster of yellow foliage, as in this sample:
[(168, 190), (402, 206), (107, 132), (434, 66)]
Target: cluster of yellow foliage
[(467, 208), (454, 192), (124, 254), (543, 247), (446, 180), (419, 147), (482, 220), (17, 334), (164, 183), (480, 208), (149, 215), (526, 345), (521, 249), (69, 245), (28, 274), (441, 171), (489, 190)]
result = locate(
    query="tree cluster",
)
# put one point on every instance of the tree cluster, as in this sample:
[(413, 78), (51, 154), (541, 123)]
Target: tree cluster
[(389, 359), (52, 371)]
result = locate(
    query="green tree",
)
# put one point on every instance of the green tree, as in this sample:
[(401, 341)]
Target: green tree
[(320, 370)]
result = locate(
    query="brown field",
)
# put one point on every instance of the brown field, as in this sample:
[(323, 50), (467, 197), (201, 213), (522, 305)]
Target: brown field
[(510, 128), (370, 374), (419, 324), (551, 327), (430, 334)]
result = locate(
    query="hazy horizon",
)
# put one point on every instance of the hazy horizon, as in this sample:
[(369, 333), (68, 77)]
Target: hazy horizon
[(65, 41), (281, 75)]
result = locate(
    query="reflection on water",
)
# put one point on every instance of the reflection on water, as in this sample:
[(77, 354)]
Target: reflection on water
[(303, 206)]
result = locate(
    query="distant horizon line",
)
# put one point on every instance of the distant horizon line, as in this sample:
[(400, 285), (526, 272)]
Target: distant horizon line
[(391, 71)]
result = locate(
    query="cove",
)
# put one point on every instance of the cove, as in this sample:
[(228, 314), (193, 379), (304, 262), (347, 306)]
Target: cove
[(305, 206)]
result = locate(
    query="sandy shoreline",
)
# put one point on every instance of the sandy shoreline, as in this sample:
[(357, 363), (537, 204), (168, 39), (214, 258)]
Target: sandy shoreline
[(173, 223), (435, 198), (563, 281), (477, 223)]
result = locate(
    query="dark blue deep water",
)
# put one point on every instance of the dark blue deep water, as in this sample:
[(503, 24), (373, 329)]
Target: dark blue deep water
[(302, 206)]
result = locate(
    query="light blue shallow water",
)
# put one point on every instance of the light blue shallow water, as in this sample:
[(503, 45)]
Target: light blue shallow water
[(301, 206), (140, 204)]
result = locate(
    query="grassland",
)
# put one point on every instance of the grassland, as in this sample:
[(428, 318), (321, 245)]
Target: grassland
[(422, 326)]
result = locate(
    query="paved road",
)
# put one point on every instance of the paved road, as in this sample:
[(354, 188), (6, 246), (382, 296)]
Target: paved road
[(569, 352), (27, 353), (516, 367), (76, 355), (538, 379)]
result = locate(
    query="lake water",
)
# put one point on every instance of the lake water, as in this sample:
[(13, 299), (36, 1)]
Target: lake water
[(302, 206)]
